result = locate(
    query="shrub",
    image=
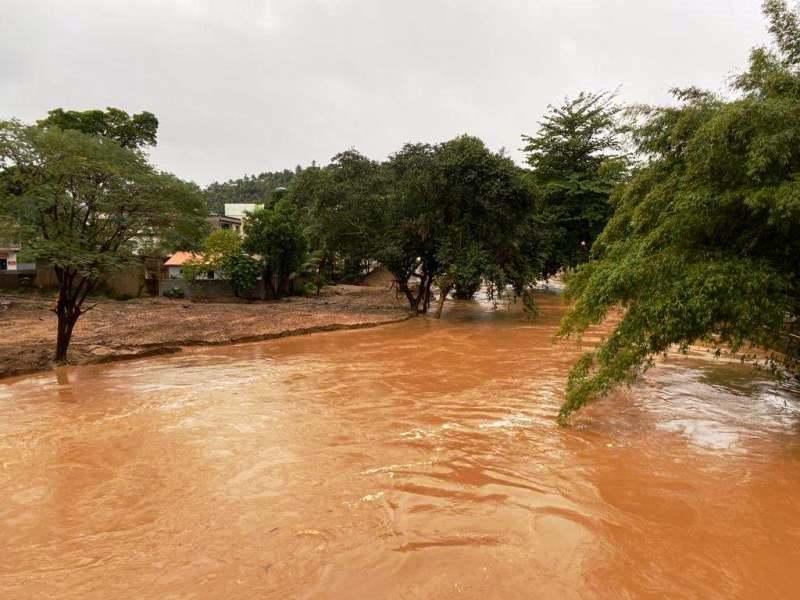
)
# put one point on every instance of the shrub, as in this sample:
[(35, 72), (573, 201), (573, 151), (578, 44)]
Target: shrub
[(174, 292)]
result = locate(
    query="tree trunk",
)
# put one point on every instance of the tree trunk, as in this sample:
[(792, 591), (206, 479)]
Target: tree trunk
[(442, 297), (428, 294), (68, 308), (269, 284), (66, 323), (403, 287)]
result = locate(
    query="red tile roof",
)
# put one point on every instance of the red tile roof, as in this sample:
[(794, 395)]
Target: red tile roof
[(181, 258)]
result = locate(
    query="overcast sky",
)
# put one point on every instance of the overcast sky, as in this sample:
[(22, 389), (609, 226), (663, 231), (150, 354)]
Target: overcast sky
[(244, 86)]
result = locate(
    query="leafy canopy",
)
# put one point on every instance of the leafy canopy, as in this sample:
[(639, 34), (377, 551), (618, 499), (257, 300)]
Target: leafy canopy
[(576, 160), (86, 205), (83, 202), (129, 131), (276, 235), (704, 242)]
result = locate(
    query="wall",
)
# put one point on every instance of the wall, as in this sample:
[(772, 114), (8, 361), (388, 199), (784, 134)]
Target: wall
[(217, 289), (127, 283), (12, 280), (206, 289)]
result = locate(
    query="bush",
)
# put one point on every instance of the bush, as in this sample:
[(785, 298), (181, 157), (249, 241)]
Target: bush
[(243, 272), (174, 293), (310, 289)]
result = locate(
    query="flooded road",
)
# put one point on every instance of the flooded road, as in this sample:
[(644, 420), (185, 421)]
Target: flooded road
[(419, 460)]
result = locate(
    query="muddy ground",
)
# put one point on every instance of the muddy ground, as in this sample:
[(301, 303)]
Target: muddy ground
[(116, 330)]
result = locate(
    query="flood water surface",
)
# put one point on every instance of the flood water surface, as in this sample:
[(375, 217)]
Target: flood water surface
[(417, 460)]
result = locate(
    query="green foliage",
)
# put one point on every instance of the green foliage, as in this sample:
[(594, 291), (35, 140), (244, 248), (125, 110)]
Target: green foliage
[(314, 269), (406, 242), (129, 131), (216, 253), (276, 235), (703, 244), (220, 245), (341, 211), (455, 213), (243, 272), (576, 160), (174, 293), (84, 204)]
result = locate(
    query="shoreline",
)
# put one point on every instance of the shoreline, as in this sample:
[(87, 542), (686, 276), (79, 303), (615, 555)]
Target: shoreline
[(166, 349), (144, 328)]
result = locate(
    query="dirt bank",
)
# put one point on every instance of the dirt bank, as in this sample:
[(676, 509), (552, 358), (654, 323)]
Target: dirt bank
[(120, 330)]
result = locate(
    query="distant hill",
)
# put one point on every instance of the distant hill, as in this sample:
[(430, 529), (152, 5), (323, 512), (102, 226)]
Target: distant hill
[(253, 189)]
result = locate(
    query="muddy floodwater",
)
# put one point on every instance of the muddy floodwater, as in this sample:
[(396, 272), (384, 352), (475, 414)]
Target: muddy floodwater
[(417, 460)]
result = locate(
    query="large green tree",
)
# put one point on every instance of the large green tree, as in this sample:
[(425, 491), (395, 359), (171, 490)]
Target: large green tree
[(342, 211), (704, 243), (482, 207), (276, 235), (129, 131), (576, 160), (407, 240), (85, 204), (452, 215)]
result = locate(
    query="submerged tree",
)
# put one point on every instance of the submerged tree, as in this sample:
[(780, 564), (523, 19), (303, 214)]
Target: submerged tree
[(407, 241), (85, 204), (342, 202), (482, 207), (704, 243)]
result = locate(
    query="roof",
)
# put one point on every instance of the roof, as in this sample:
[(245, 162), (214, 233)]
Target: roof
[(226, 219), (181, 258)]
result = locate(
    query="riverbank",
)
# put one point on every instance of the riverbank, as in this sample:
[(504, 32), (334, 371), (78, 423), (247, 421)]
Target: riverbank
[(116, 330)]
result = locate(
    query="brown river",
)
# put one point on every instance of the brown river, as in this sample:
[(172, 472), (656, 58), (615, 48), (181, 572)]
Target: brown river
[(416, 460)]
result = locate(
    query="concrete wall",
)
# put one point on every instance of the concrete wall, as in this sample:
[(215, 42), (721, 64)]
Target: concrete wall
[(201, 289), (127, 283), (217, 289), (12, 280)]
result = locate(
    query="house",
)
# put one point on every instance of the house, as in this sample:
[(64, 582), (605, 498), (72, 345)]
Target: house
[(8, 258), (175, 263), (225, 222)]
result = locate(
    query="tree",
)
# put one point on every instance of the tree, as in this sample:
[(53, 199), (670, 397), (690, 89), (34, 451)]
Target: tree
[(343, 210), (222, 253), (217, 251), (276, 235), (243, 272), (704, 243), (406, 240), (129, 131), (83, 204), (576, 160), (482, 205), (314, 268)]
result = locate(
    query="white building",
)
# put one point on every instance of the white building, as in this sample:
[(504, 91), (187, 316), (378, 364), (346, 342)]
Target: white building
[(8, 259), (237, 210)]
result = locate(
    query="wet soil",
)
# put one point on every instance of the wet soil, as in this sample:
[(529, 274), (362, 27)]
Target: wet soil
[(115, 330)]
